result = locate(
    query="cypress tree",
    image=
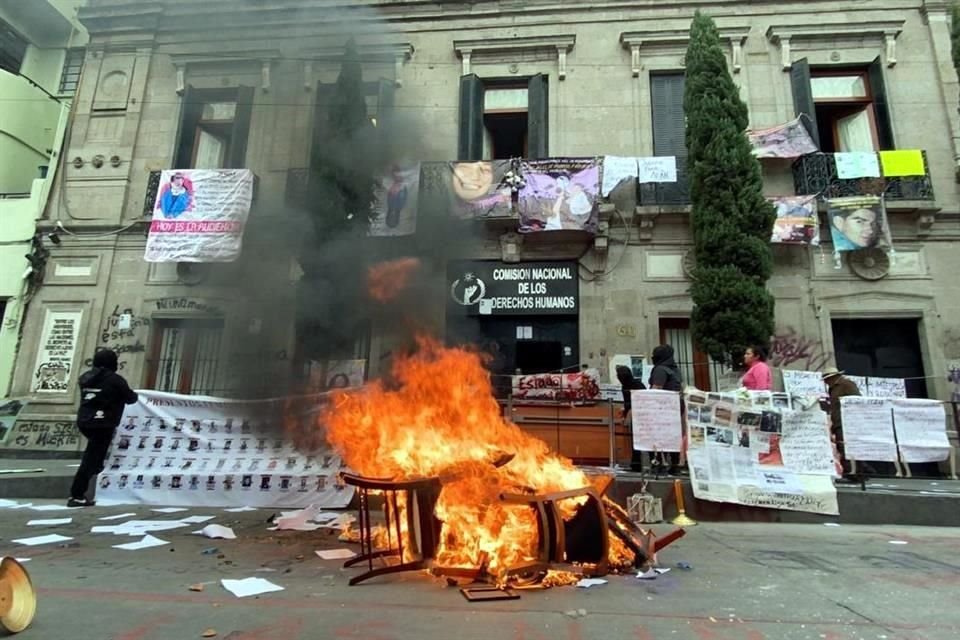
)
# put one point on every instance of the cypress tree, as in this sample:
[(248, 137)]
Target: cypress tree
[(732, 221)]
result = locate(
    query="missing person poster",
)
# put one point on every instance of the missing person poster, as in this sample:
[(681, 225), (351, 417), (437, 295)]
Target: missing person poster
[(480, 189), (757, 452), (560, 194), (199, 215), (202, 451), (656, 420), (858, 223), (797, 221)]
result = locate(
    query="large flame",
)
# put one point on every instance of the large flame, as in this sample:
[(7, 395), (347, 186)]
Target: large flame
[(441, 419)]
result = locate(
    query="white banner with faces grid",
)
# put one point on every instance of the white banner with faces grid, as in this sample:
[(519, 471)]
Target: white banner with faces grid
[(181, 450)]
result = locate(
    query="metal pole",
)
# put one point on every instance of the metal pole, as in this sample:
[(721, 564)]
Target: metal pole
[(613, 435)]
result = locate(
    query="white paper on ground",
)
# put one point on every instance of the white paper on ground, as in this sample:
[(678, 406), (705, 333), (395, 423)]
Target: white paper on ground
[(197, 519), (663, 571), (342, 521), (586, 583), (169, 510), (239, 509), (649, 574), (217, 531), (48, 539), (111, 502), (25, 505), (49, 522), (51, 507), (326, 516), (4, 503), (138, 527), (119, 516), (145, 543), (335, 554), (249, 586), (22, 560), (890, 541), (73, 466), (303, 526), (831, 524)]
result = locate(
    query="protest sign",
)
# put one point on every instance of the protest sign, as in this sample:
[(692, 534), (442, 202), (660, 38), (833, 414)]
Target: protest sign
[(202, 451), (921, 430), (886, 388), (199, 215), (803, 383), (617, 169), (657, 169), (555, 386), (751, 450), (559, 194), (656, 420), (868, 429), (396, 195), (797, 221), (857, 165)]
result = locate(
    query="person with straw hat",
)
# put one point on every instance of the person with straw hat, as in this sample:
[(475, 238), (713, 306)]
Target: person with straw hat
[(838, 387)]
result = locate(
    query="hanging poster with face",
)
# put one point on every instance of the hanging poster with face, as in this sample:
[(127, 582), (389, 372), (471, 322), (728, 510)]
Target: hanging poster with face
[(395, 202), (199, 215), (790, 140), (494, 288), (559, 194), (479, 189), (858, 223), (796, 221)]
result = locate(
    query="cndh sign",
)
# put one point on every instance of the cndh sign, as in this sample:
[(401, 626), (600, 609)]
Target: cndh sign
[(490, 288)]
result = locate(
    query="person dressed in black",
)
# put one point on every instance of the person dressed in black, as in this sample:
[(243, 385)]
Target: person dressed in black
[(666, 376), (103, 393), (627, 384)]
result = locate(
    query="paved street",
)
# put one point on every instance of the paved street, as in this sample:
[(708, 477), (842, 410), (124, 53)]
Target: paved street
[(747, 581)]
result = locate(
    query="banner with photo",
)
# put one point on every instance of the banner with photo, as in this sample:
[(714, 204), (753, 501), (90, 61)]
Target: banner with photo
[(199, 215), (181, 450), (858, 222), (395, 202), (790, 140), (762, 450), (560, 194), (480, 189), (797, 221)]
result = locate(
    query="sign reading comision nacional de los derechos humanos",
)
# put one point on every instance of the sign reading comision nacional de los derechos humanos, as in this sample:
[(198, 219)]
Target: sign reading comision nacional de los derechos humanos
[(527, 288)]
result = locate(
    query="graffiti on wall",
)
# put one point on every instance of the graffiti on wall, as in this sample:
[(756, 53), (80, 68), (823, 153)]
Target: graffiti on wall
[(790, 349), (37, 434), (123, 332)]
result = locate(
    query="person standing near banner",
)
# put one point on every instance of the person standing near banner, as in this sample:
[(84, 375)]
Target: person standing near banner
[(758, 376), (628, 384), (103, 393), (666, 376), (838, 387)]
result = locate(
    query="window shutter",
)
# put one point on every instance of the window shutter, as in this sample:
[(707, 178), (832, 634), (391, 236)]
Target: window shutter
[(189, 117), (537, 117), (803, 98), (881, 107), (669, 134), (386, 92), (470, 146), (321, 110), (241, 128)]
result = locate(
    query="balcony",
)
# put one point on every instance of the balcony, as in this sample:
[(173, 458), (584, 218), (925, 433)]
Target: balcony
[(817, 174), (667, 193)]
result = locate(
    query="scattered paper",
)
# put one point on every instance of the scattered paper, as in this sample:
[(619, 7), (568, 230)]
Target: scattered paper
[(649, 574), (50, 507), (217, 531), (4, 503), (249, 587), (831, 524), (138, 527), (342, 521), (73, 466), (119, 516), (145, 543), (326, 516), (48, 539), (197, 519), (300, 520), (663, 571), (169, 510), (25, 505), (112, 502), (890, 541), (335, 554), (49, 522), (22, 560), (239, 509), (586, 583)]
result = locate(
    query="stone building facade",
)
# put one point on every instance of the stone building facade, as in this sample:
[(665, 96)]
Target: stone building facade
[(590, 80)]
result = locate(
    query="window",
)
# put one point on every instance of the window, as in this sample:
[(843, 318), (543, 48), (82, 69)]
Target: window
[(185, 356), (696, 368), (844, 108), (13, 47), (502, 119), (72, 66), (669, 134), (214, 128)]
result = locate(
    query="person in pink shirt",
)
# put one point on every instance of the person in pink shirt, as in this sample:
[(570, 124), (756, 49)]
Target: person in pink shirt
[(758, 376)]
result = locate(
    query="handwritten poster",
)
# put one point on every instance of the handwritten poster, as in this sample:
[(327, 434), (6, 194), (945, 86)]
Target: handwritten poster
[(657, 169), (886, 388), (58, 346), (921, 430), (751, 450), (861, 382), (851, 166), (803, 383), (656, 420), (199, 215), (616, 169), (554, 386), (868, 429)]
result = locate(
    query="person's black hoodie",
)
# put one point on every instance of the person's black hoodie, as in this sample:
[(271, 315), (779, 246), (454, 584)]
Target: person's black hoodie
[(665, 374), (103, 392), (627, 384)]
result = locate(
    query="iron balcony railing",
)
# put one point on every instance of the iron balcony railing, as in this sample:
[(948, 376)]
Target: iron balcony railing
[(817, 174)]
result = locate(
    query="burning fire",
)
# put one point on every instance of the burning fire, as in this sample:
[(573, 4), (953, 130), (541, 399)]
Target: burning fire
[(386, 279), (441, 419)]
